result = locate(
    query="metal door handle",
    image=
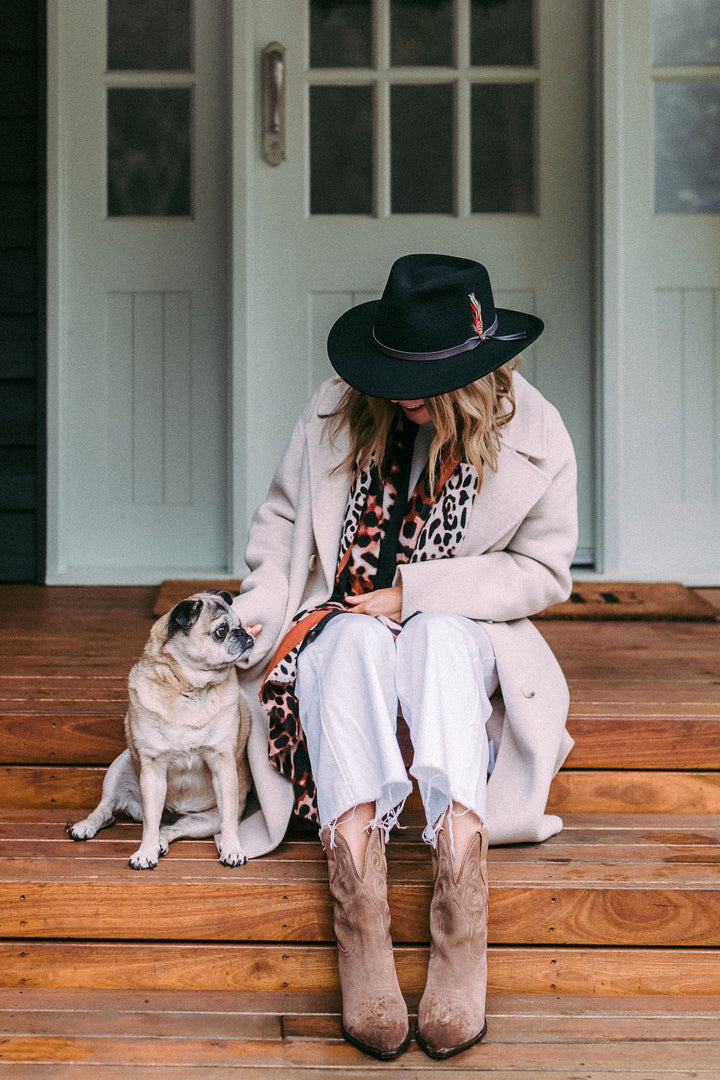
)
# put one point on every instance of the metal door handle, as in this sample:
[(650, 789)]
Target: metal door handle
[(273, 103)]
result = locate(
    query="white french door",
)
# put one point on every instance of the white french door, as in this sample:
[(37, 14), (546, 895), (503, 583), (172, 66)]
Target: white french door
[(662, 311), (454, 126), (138, 295)]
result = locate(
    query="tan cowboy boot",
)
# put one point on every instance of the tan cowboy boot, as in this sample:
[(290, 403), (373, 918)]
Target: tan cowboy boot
[(375, 1017), (451, 1015)]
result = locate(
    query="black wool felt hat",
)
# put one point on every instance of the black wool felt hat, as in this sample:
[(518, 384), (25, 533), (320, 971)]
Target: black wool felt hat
[(435, 329)]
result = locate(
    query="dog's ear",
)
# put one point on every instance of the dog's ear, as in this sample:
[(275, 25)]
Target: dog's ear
[(184, 615), (223, 594)]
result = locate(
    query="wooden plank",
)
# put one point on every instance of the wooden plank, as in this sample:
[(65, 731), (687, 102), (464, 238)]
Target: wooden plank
[(103, 1021), (703, 827), (139, 1023), (72, 787), (294, 1054), (238, 1002), (573, 791), (306, 1007), (584, 913), (428, 1071), (533, 1028), (633, 791), (83, 725), (668, 742), (620, 848), (270, 968), (529, 867), (626, 692), (612, 838), (323, 1072), (92, 739), (670, 834)]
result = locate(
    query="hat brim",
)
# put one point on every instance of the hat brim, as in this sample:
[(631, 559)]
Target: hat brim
[(359, 362)]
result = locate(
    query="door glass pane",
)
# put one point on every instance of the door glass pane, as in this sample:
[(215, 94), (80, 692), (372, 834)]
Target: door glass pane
[(502, 32), (341, 157), (149, 35), (686, 31), (421, 32), (503, 153), (149, 152), (340, 33), (422, 124), (687, 147)]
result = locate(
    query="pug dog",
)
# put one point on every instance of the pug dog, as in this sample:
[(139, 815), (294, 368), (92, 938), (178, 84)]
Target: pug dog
[(186, 729)]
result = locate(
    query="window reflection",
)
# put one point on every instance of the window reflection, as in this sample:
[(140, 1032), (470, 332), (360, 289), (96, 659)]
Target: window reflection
[(421, 32), (687, 147), (422, 125), (149, 152), (686, 32), (502, 33), (340, 33), (503, 152), (341, 158), (149, 35)]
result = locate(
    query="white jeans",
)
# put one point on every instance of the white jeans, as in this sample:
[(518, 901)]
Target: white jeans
[(350, 680)]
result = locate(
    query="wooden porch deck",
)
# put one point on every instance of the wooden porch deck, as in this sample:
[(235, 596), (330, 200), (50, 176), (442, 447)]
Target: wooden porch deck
[(605, 941)]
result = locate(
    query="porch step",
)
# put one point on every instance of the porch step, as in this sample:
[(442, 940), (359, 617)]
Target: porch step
[(573, 791), (645, 703), (77, 719), (639, 896), (182, 1035), (115, 973)]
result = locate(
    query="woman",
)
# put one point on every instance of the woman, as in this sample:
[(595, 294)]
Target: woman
[(424, 509)]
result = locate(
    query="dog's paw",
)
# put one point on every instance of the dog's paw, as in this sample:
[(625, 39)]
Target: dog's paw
[(80, 830), (232, 857), (144, 860), (164, 845)]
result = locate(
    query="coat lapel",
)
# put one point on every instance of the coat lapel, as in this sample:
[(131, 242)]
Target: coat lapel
[(503, 501), (507, 495)]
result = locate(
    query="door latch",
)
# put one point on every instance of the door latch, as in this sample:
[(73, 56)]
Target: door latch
[(272, 68)]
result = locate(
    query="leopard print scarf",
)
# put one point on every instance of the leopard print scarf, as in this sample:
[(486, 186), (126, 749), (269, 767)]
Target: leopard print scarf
[(382, 529)]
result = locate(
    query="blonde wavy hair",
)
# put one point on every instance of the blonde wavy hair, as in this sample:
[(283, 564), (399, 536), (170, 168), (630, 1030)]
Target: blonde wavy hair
[(468, 422)]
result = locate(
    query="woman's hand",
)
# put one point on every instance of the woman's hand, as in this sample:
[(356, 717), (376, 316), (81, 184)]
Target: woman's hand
[(386, 602)]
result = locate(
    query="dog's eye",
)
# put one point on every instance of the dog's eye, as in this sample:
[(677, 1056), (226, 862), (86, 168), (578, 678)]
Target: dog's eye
[(221, 632)]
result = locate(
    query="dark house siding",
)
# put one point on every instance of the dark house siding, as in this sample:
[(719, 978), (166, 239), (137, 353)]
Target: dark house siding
[(22, 290)]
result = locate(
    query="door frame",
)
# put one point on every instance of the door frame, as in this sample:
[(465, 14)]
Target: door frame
[(609, 296), (53, 499)]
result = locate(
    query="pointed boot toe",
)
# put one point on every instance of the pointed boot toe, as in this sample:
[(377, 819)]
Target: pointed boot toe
[(447, 1027), (375, 1017), (383, 1030), (451, 1015)]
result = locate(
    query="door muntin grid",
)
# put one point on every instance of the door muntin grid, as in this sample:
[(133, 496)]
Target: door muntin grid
[(441, 130)]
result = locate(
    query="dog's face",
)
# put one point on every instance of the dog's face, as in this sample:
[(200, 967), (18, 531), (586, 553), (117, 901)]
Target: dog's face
[(204, 632)]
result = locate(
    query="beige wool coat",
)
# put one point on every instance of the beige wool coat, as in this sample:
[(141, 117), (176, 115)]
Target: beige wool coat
[(513, 562)]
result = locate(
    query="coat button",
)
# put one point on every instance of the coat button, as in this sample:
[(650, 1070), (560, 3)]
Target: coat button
[(312, 563), (527, 692)]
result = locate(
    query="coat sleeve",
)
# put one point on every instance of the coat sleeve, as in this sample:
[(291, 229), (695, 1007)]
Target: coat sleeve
[(264, 592), (530, 571)]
